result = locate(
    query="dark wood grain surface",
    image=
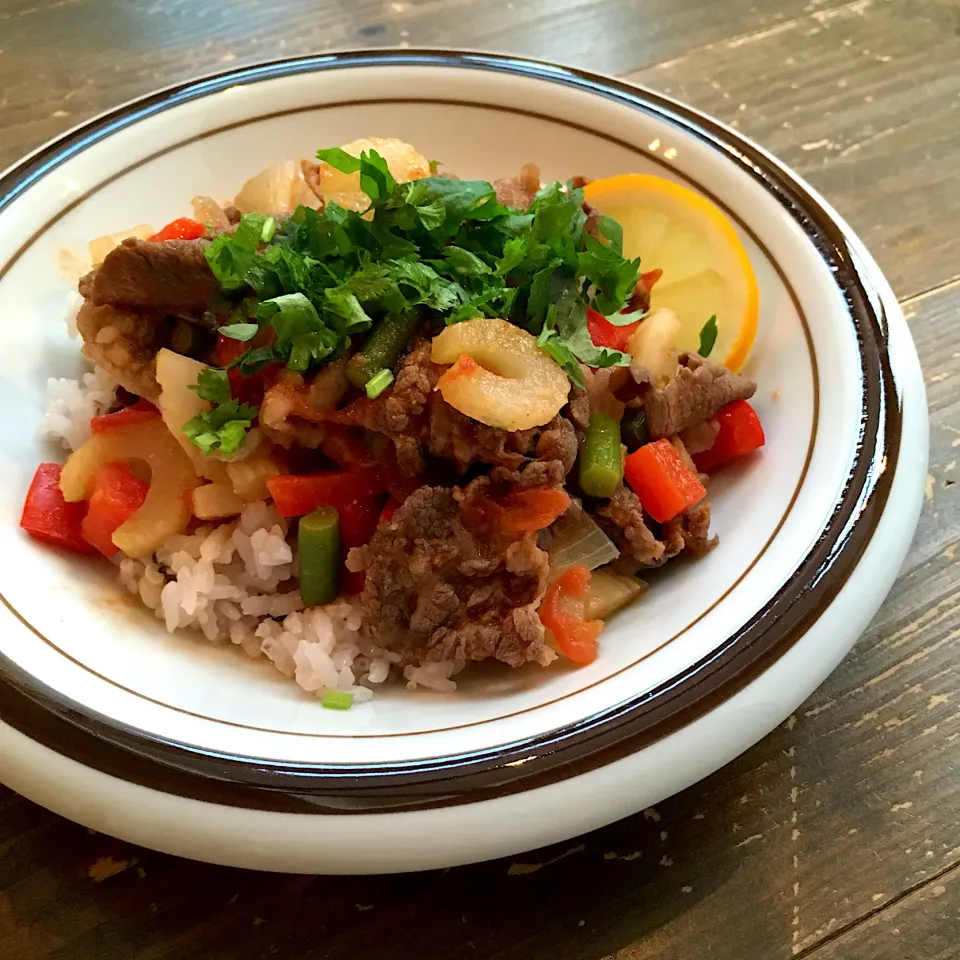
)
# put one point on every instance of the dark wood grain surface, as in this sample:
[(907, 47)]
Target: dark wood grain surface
[(837, 836)]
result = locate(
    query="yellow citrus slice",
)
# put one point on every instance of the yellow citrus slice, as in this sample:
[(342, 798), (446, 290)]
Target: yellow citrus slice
[(706, 270)]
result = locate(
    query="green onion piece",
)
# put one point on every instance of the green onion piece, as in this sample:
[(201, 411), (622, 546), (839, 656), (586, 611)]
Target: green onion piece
[(269, 229), (318, 541), (383, 347), (601, 457), (337, 700), (633, 429), (379, 382)]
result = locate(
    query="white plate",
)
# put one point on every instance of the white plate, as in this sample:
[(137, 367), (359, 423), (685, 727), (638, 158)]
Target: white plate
[(197, 751)]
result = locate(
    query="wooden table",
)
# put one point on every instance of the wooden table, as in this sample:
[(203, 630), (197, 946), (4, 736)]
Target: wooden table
[(837, 836)]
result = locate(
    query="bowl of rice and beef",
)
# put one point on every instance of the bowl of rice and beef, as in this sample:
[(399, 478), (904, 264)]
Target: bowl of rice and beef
[(517, 449)]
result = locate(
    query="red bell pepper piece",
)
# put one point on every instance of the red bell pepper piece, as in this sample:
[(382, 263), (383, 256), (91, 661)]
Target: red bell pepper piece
[(139, 412), (740, 432), (605, 334), (575, 637), (358, 523), (247, 389), (48, 517), (183, 228), (665, 485), (389, 509), (115, 494), (227, 350), (297, 495)]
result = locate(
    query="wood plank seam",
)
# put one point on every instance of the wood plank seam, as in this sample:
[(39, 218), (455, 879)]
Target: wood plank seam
[(870, 914), (944, 287), (751, 36)]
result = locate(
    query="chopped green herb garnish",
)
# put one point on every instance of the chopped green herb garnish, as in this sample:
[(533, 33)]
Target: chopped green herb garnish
[(231, 256), (378, 383), (302, 337), (339, 159), (213, 385), (434, 249), (708, 337), (337, 700), (222, 428), (239, 331)]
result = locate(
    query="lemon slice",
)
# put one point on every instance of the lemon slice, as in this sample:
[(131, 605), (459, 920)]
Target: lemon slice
[(706, 270)]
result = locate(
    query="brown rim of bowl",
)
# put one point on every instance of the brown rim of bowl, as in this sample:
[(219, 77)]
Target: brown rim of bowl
[(127, 753)]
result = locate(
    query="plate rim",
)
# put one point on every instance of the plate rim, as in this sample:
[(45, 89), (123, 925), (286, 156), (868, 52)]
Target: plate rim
[(588, 742)]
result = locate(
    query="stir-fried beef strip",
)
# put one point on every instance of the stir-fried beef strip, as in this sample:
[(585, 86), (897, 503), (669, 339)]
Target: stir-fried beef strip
[(689, 531), (171, 277), (438, 590), (695, 394), (623, 520)]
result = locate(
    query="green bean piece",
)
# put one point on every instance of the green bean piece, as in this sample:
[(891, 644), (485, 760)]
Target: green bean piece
[(383, 348), (318, 539), (601, 457), (633, 429)]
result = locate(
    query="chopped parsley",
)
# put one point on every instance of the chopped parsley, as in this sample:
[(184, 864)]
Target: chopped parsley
[(298, 288), (222, 428), (212, 384)]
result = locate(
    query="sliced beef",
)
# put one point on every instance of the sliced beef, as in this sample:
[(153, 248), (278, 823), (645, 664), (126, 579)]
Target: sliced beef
[(436, 590), (402, 414), (519, 191), (696, 393), (578, 408), (418, 420), (454, 436), (171, 277), (690, 531), (623, 520), (558, 443), (652, 544), (125, 344)]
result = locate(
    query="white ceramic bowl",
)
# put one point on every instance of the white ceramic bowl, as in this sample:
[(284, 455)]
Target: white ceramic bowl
[(195, 750)]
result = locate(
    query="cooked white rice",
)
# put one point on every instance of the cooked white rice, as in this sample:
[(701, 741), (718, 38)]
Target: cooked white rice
[(72, 403), (235, 583)]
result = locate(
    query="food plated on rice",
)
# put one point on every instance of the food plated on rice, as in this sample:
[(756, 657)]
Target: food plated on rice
[(367, 420)]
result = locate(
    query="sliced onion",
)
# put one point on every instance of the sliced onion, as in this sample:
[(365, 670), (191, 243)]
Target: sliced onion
[(249, 477), (609, 592), (209, 212), (279, 189), (653, 346), (176, 374), (576, 540)]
